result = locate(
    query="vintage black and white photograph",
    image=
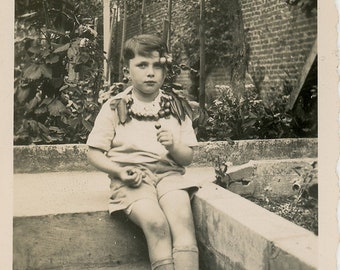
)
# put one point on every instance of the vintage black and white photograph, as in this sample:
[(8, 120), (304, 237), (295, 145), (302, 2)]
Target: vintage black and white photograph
[(172, 135)]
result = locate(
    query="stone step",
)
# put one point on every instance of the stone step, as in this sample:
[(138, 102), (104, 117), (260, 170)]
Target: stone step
[(61, 222), (72, 192)]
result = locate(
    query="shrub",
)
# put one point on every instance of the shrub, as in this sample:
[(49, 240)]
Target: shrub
[(57, 73), (247, 116)]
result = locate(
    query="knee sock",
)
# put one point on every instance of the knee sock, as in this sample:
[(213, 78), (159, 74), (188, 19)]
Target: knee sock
[(165, 264), (185, 258)]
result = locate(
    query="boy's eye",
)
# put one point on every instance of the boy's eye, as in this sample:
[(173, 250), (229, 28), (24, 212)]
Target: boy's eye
[(142, 65)]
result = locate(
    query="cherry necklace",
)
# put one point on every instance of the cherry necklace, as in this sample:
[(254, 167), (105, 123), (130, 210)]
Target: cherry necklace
[(159, 108), (166, 104)]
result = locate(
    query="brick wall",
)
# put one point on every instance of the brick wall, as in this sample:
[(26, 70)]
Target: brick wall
[(279, 39)]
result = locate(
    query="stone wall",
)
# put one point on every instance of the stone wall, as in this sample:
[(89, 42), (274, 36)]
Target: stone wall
[(72, 157)]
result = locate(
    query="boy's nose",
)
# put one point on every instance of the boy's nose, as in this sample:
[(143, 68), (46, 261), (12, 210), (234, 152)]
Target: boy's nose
[(151, 72)]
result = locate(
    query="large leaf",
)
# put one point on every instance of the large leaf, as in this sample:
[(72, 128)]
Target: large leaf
[(32, 125), (44, 53), (33, 103), (56, 108), (57, 82), (43, 128), (52, 58), (87, 125), (74, 122), (46, 101), (250, 123), (46, 137), (33, 72), (65, 120), (28, 15), (82, 58), (22, 94), (40, 110), (62, 48), (46, 71), (37, 139), (35, 49), (56, 130)]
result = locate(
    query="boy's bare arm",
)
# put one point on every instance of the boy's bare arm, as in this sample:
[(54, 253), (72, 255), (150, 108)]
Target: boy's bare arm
[(130, 175), (97, 158), (181, 153)]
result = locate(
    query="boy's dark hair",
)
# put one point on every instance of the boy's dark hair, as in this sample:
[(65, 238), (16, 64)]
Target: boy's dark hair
[(143, 45)]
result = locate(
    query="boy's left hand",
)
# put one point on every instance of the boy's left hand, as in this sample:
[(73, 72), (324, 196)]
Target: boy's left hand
[(180, 152), (166, 138)]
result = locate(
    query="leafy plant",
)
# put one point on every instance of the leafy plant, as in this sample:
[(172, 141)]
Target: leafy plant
[(222, 177), (307, 6), (57, 74), (305, 112), (247, 117)]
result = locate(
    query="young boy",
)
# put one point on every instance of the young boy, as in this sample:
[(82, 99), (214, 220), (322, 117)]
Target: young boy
[(142, 139)]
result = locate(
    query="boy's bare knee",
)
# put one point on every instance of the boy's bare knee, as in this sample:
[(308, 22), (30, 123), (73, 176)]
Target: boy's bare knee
[(157, 226)]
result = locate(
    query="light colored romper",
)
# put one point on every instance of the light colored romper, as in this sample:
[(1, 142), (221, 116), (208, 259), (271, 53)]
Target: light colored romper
[(135, 143)]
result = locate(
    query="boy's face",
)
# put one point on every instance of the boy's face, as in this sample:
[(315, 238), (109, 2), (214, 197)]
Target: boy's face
[(147, 74)]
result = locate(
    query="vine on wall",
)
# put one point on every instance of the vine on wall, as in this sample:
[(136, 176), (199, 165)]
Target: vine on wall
[(307, 6), (225, 43)]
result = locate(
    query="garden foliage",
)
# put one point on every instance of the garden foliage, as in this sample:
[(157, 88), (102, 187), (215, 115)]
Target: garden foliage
[(238, 117), (58, 66), (58, 73), (225, 44)]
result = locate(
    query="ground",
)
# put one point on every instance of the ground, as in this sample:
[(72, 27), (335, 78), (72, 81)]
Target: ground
[(303, 212)]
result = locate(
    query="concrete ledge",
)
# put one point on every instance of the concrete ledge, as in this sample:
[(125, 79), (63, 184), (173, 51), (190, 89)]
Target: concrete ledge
[(47, 158), (73, 192), (241, 152), (249, 237)]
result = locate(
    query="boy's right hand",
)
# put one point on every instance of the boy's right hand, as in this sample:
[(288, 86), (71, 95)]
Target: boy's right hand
[(131, 176)]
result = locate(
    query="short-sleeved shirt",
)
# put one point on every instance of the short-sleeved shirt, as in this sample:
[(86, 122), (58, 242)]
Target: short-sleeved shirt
[(136, 142)]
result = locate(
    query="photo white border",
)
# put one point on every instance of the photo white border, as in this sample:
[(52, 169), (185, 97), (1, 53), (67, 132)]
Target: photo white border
[(328, 98)]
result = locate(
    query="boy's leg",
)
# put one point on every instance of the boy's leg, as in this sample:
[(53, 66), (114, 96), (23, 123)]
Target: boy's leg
[(148, 215), (176, 206)]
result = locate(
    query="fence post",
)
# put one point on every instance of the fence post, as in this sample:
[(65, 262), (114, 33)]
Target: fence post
[(123, 40), (107, 41), (202, 55), (142, 18)]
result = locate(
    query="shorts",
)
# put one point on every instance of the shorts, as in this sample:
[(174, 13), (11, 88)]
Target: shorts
[(159, 180)]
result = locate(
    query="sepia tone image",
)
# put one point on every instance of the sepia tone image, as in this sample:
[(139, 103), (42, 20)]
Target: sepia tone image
[(166, 134)]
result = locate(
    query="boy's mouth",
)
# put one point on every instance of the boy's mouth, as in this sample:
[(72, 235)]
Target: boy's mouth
[(150, 82)]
